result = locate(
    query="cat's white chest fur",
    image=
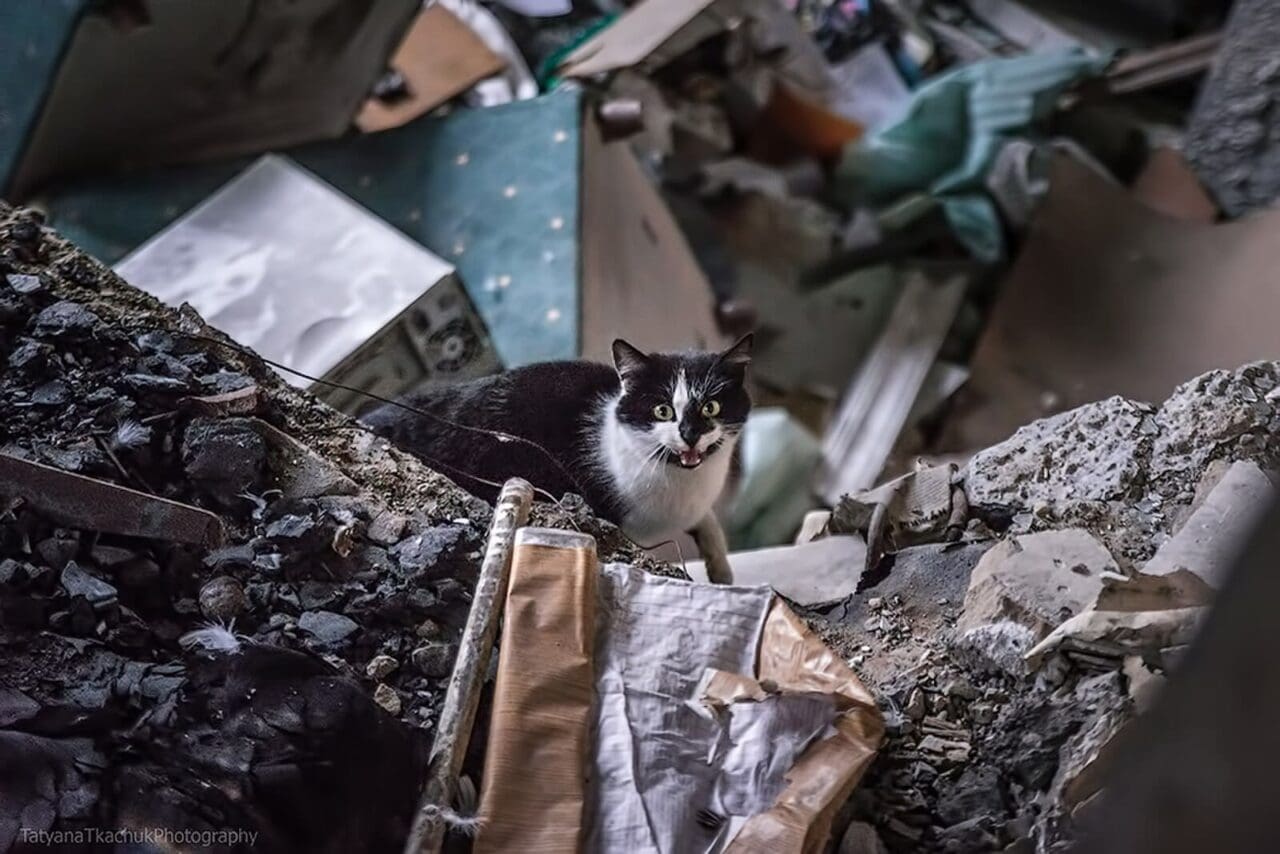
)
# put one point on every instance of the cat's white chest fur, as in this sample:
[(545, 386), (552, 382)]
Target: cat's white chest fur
[(661, 500)]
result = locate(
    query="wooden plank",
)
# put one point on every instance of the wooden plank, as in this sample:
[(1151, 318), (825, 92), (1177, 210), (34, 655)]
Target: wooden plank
[(457, 717)]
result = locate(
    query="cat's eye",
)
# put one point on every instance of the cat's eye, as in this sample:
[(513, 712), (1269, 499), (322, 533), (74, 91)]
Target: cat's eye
[(711, 408), (664, 412)]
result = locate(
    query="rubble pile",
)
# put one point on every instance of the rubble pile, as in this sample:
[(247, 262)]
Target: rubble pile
[(1102, 530), (342, 566)]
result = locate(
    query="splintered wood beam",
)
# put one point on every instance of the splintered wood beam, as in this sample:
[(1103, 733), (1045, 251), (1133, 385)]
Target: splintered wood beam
[(457, 717)]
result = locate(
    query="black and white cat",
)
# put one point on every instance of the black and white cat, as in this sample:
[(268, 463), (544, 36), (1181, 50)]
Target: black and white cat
[(646, 443)]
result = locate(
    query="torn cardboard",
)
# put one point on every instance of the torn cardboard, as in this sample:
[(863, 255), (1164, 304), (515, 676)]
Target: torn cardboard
[(639, 276), (440, 57), (1111, 298)]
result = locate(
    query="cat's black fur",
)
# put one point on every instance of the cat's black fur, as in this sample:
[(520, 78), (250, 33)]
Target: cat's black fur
[(561, 407)]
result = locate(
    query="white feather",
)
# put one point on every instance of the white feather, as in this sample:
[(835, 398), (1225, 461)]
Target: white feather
[(212, 638), (466, 825)]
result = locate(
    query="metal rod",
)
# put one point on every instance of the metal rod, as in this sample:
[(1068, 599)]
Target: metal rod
[(457, 717)]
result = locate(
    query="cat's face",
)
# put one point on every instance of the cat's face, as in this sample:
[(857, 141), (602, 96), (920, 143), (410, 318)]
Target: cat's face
[(688, 405)]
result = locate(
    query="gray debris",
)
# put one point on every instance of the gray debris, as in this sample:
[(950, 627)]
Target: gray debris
[(290, 527), (434, 660), (29, 355), (78, 582), (24, 284), (65, 320), (226, 455), (315, 595), (154, 383), (52, 393), (1125, 470), (1092, 453), (386, 697), (424, 550), (327, 628), (380, 667), (1218, 415)]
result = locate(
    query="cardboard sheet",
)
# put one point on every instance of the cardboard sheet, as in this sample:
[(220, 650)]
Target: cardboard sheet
[(1109, 297), (720, 723), (531, 797), (440, 57), (639, 32), (794, 660), (640, 279)]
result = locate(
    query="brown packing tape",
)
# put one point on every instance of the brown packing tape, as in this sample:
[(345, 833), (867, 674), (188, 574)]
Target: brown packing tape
[(793, 659), (535, 771)]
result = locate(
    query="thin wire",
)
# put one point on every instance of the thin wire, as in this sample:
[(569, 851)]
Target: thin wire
[(500, 435)]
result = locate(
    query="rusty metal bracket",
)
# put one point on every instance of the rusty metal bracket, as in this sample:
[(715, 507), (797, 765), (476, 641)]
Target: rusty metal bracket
[(457, 717), (98, 505)]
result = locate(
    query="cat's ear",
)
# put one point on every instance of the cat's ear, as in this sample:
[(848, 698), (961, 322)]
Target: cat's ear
[(739, 355), (627, 359)]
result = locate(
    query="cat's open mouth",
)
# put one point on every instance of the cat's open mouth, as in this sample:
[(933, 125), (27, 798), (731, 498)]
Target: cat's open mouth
[(691, 459)]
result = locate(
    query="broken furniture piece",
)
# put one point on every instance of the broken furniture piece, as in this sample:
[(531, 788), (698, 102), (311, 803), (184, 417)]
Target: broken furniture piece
[(100, 505), (291, 268)]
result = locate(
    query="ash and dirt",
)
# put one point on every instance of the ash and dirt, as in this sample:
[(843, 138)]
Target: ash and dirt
[(340, 552), (349, 566)]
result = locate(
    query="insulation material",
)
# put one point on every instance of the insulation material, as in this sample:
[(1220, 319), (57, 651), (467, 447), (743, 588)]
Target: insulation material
[(717, 721)]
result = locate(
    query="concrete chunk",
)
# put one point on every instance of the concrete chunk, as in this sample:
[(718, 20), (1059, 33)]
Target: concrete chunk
[(1036, 580), (1210, 539)]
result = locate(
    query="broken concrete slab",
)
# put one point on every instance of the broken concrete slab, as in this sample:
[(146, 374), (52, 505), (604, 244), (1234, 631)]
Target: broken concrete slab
[(1127, 470), (1209, 542), (1037, 581), (825, 570), (1092, 453), (1218, 415)]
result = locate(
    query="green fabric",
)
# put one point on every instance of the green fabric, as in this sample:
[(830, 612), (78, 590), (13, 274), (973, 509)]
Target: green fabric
[(547, 77), (779, 458), (947, 139)]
